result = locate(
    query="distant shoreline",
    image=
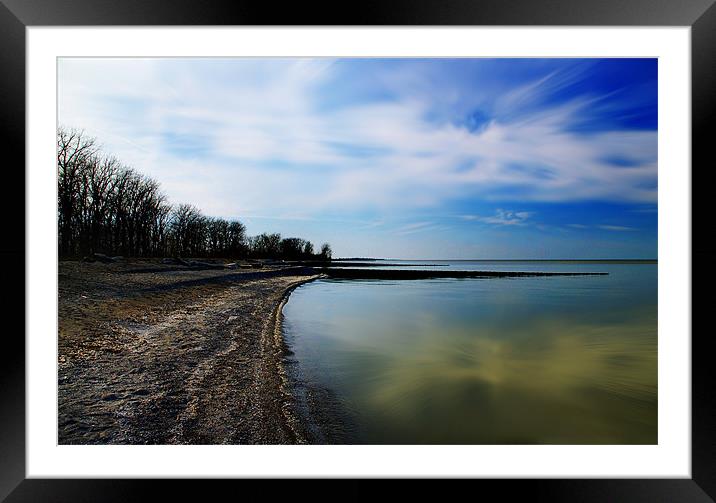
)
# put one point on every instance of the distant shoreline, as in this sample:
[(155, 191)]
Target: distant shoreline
[(411, 274), (536, 260)]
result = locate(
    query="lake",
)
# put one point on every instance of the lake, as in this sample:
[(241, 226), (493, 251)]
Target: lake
[(541, 360)]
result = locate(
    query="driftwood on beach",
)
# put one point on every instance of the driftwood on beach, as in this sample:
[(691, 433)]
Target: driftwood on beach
[(101, 257)]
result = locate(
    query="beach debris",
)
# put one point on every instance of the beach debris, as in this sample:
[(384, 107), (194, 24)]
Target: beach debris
[(100, 257), (197, 264)]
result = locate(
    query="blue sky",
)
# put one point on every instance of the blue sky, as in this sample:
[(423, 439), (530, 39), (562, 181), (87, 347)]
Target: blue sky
[(399, 158)]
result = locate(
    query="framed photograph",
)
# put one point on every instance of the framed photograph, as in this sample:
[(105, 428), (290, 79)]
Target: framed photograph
[(431, 240)]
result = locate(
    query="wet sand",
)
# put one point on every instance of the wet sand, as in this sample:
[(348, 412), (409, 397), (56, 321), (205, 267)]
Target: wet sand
[(153, 354)]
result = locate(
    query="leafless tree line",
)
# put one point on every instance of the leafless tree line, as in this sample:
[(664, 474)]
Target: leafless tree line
[(106, 207)]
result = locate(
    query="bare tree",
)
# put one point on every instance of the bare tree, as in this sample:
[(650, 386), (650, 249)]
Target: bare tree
[(326, 252), (292, 248), (266, 246), (104, 206), (74, 150), (236, 240), (308, 250)]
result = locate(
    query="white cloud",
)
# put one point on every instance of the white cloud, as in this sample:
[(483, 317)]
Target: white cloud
[(617, 228), (265, 148), (502, 217)]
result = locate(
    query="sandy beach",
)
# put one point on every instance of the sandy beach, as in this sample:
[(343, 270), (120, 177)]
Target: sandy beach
[(150, 353)]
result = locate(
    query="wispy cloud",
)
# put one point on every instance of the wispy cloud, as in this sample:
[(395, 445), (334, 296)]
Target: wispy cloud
[(417, 227), (263, 129), (502, 217), (616, 228)]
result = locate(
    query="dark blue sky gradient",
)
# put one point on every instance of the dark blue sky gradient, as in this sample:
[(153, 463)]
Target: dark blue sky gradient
[(403, 158)]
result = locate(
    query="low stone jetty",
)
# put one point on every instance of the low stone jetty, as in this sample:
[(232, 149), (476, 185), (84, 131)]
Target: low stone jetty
[(394, 274)]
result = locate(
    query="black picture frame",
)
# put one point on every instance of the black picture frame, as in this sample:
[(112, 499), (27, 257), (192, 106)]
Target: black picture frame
[(16, 15)]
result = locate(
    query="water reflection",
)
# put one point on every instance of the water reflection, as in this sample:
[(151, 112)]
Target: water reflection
[(490, 362)]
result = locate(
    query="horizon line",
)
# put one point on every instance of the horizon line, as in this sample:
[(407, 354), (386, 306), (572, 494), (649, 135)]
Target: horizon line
[(508, 259)]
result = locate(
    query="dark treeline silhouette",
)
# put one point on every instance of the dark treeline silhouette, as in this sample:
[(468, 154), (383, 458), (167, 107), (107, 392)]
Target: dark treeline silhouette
[(106, 207)]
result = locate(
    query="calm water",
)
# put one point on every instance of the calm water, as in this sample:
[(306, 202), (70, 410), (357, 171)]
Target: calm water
[(563, 360)]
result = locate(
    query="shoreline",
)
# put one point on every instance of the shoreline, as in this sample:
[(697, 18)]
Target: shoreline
[(291, 417), (315, 413)]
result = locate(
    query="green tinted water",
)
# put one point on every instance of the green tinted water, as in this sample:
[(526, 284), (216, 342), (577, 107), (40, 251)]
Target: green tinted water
[(563, 360)]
